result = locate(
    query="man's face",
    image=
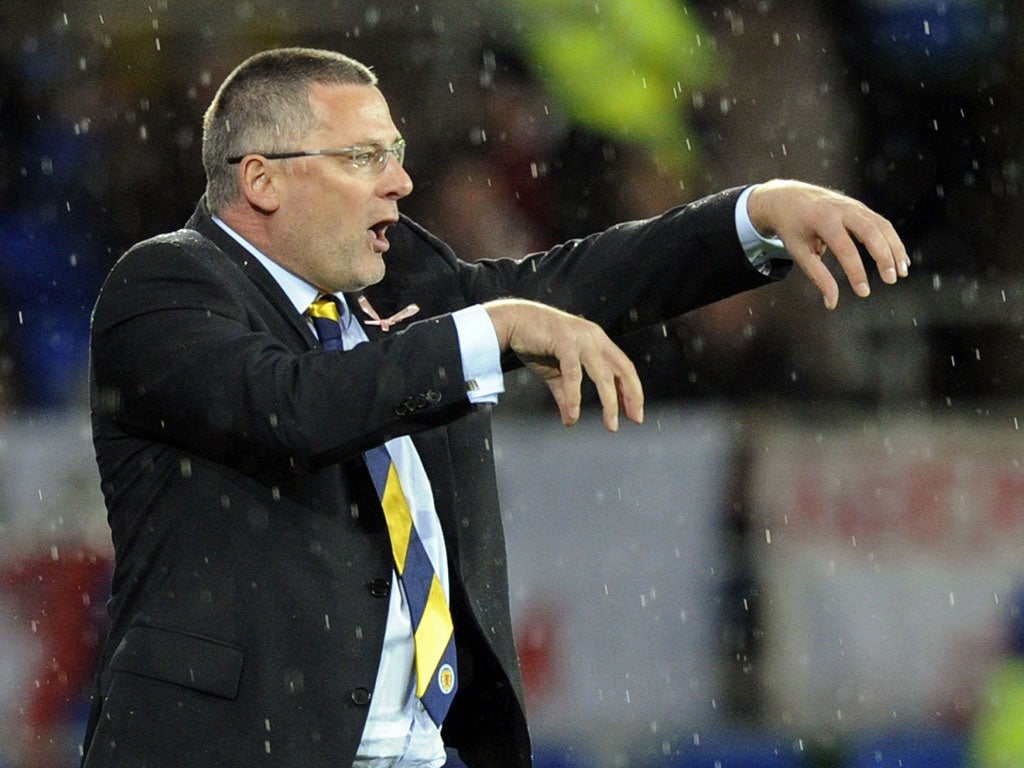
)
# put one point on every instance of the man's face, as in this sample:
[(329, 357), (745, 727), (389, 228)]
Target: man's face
[(329, 228)]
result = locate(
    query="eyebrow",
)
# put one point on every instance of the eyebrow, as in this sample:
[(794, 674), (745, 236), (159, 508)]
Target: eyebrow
[(376, 142)]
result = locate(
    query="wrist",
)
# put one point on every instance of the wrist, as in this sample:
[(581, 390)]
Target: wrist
[(759, 210), (502, 313)]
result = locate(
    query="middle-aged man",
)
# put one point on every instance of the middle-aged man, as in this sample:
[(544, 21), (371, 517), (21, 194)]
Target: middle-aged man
[(291, 414)]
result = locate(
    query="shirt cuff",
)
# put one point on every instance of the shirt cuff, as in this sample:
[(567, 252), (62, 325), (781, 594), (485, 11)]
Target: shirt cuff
[(760, 250), (481, 357)]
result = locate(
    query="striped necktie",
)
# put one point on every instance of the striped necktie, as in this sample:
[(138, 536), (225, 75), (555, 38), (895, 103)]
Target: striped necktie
[(436, 676)]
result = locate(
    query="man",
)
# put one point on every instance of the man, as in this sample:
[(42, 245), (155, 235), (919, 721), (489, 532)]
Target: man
[(259, 613)]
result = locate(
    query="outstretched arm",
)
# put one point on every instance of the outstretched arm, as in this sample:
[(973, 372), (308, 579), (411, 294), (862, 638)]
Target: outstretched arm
[(810, 220)]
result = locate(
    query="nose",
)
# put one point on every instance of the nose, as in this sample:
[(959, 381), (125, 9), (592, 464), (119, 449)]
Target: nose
[(395, 180)]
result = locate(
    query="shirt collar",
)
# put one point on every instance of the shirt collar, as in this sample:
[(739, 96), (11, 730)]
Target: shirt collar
[(298, 291)]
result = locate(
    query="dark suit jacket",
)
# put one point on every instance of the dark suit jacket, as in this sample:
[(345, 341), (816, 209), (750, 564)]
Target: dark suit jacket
[(250, 589)]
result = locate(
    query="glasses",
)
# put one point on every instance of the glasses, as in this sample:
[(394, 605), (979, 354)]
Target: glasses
[(363, 158)]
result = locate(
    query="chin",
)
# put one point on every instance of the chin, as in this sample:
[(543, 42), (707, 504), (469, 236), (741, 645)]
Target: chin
[(375, 276), (365, 280), (361, 275)]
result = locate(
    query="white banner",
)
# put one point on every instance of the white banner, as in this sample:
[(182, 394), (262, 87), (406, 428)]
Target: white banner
[(615, 556), (889, 552)]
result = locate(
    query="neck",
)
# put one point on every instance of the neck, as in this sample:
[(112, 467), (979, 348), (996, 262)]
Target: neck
[(250, 223)]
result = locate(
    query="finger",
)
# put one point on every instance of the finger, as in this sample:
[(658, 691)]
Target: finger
[(601, 374), (631, 395), (884, 246), (845, 251), (617, 382), (558, 392), (549, 372), (893, 244), (569, 384), (810, 262), (608, 393), (897, 246)]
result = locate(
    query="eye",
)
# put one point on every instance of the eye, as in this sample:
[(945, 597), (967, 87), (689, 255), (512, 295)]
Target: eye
[(364, 157)]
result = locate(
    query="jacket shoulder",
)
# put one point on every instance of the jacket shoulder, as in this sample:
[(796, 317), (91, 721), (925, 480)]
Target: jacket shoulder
[(172, 270), (169, 249)]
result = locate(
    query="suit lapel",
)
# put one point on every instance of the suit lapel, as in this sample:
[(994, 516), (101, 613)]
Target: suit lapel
[(203, 223)]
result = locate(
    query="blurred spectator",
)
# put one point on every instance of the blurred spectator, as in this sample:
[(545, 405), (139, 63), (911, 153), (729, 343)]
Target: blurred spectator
[(623, 68), (97, 151), (998, 739), (60, 597), (941, 100), (781, 108), (525, 176), (943, 159), (494, 193), (49, 269)]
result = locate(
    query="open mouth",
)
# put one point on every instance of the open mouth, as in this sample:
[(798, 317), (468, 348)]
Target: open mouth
[(378, 237)]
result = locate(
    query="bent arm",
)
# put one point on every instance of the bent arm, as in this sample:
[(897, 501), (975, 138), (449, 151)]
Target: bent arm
[(182, 355)]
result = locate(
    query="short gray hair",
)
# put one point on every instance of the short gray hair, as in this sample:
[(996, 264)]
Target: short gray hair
[(263, 106)]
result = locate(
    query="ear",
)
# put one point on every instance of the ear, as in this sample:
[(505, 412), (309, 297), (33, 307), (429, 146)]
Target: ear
[(258, 184)]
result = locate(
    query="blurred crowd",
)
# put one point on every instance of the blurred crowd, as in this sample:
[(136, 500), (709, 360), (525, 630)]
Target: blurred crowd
[(914, 106)]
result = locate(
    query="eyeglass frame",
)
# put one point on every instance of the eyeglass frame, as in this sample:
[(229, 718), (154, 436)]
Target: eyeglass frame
[(397, 150)]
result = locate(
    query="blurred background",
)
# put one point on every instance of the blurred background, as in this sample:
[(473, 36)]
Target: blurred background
[(809, 555)]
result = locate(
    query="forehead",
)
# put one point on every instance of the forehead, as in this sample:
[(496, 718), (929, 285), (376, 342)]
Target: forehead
[(352, 114)]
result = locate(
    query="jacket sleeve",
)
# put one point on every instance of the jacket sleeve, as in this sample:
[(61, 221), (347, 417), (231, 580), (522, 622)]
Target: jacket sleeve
[(637, 273)]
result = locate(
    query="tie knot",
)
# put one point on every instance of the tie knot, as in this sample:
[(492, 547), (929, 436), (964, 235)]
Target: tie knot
[(325, 307), (325, 315)]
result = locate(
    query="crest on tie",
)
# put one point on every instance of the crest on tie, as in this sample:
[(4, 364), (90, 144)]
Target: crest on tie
[(446, 678)]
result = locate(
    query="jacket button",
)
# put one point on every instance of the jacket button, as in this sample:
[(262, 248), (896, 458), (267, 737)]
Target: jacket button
[(433, 396), (380, 587), (360, 696)]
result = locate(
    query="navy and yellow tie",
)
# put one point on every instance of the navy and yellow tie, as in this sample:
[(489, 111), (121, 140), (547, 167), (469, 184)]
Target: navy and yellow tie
[(436, 668)]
